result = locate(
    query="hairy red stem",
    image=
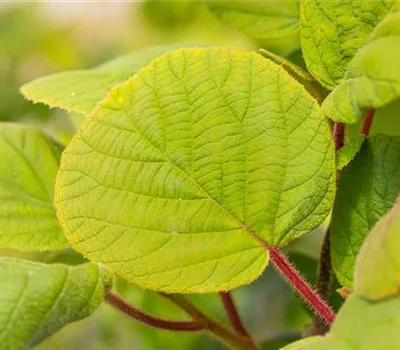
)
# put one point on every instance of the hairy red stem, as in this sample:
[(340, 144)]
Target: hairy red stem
[(132, 312), (369, 117), (290, 273)]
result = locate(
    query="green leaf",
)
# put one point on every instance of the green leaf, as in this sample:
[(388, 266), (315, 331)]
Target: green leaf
[(37, 300), (261, 20), (182, 171), (284, 47), (373, 76), (170, 15), (333, 31), (80, 91), (348, 152), (367, 189), (28, 167), (360, 325), (377, 270)]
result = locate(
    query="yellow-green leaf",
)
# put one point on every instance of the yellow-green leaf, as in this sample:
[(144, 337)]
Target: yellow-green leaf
[(29, 161), (372, 79), (377, 270), (261, 20), (179, 175), (333, 31), (80, 91), (36, 300)]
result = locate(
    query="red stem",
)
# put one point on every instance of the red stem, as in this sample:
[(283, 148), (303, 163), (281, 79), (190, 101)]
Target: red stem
[(226, 335), (182, 326), (233, 314), (324, 273), (369, 117), (338, 135), (289, 272)]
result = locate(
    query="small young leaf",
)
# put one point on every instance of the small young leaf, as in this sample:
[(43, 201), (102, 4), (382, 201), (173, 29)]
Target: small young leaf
[(182, 171), (348, 152), (80, 91), (373, 75), (377, 271), (261, 20), (36, 300), (367, 189), (360, 325), (28, 167), (333, 31)]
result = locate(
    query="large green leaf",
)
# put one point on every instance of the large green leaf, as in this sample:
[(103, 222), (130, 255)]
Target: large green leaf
[(80, 91), (373, 75), (367, 189), (28, 167), (261, 20), (360, 325), (181, 172), (36, 300), (377, 271), (333, 31)]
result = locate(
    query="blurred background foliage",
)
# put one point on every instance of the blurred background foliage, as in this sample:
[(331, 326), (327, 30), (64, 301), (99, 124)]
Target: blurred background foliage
[(37, 39)]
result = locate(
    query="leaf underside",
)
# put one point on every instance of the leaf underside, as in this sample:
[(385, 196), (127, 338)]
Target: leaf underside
[(180, 172), (29, 163), (37, 300)]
